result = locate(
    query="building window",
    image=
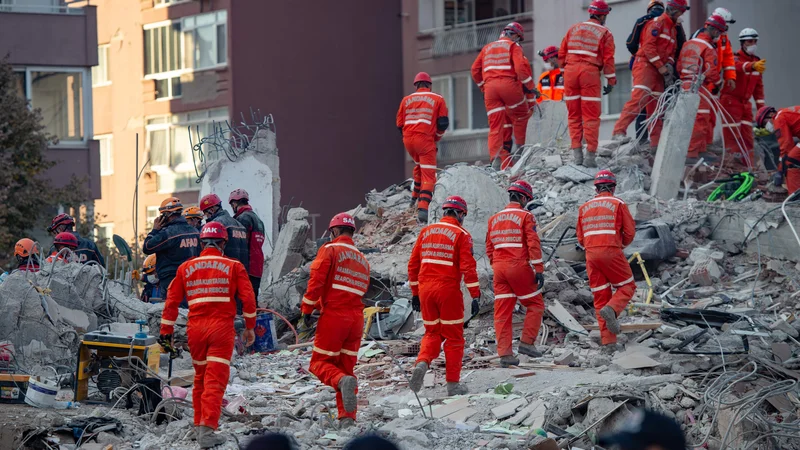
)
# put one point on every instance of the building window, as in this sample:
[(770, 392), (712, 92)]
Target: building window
[(206, 43), (60, 96), (436, 14), (100, 74), (168, 88), (613, 102), (163, 44), (104, 234), (151, 214), (106, 154), (464, 102), (163, 3)]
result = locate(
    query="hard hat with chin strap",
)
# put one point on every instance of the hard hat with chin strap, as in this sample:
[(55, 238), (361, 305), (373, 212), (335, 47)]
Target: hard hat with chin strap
[(748, 34)]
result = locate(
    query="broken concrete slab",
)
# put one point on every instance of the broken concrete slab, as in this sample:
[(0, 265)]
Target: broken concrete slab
[(450, 408), (547, 125), (565, 318), (668, 169), (636, 361), (553, 161), (288, 253), (705, 272), (508, 409), (575, 173)]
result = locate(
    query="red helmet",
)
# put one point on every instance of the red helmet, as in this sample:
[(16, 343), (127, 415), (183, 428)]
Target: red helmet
[(455, 202), (523, 187), (683, 5), (422, 76), (599, 8), (238, 194), (209, 200), (25, 247), (61, 219), (343, 220), (763, 114), (214, 230), (66, 238), (717, 22), (517, 29), (605, 177), (549, 52)]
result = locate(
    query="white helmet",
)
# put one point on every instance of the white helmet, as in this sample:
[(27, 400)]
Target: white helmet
[(747, 34), (725, 14)]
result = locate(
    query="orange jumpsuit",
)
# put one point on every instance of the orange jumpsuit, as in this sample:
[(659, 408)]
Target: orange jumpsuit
[(515, 253), (727, 68), (339, 279), (586, 51), (605, 227), (787, 127), (700, 53), (441, 257), (749, 85), (417, 118), (551, 85), (210, 282), (501, 70), (658, 44)]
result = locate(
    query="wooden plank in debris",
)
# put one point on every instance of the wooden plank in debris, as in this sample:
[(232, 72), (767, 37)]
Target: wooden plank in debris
[(508, 409), (450, 408), (565, 318), (630, 327)]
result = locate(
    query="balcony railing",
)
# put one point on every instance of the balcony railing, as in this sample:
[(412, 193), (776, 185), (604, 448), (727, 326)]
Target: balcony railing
[(18, 6), (471, 147), (468, 37)]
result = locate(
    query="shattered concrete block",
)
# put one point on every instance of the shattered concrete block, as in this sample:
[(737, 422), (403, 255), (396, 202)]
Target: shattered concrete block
[(701, 253), (553, 161), (576, 174), (548, 125), (705, 272), (668, 392), (782, 325), (668, 168), (289, 247)]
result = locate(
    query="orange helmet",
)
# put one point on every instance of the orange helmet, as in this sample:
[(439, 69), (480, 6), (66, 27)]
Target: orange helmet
[(25, 248), (193, 212), (171, 205), (149, 265)]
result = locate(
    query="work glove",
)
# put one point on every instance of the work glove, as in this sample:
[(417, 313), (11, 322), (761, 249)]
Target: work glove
[(475, 306), (607, 90), (135, 275), (668, 73), (579, 248), (165, 340), (249, 336), (760, 66), (777, 179), (730, 84), (308, 321), (415, 305), (540, 280)]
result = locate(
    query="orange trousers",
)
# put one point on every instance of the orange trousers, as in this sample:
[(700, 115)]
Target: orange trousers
[(582, 93), (607, 268), (422, 149), (738, 133), (515, 280), (336, 347), (211, 346), (702, 129), (443, 316), (505, 105), (648, 85), (712, 123), (792, 180)]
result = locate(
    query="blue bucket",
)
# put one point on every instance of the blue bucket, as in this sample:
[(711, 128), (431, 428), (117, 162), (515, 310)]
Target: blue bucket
[(266, 339)]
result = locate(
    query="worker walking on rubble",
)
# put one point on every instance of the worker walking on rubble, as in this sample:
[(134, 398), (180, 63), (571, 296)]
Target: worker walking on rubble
[(515, 253), (63, 240), (699, 57), (653, 70), (504, 75), (194, 217), (172, 240), (423, 119), (338, 281), (605, 227), (87, 249), (239, 200), (785, 124), (210, 282), (441, 257), (551, 81), (26, 252), (586, 51)]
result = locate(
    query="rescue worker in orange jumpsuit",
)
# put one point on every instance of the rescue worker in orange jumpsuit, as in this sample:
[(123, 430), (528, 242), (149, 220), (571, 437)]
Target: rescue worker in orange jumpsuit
[(210, 283), (64, 240), (441, 257), (339, 279), (504, 75), (194, 217), (515, 253), (653, 69), (750, 85), (423, 119), (586, 51), (785, 124), (699, 56), (551, 81), (605, 227), (26, 252)]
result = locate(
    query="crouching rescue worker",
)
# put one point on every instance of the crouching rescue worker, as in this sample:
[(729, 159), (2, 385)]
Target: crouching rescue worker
[(785, 124), (441, 257), (515, 253), (87, 249), (605, 227), (339, 279), (63, 240), (26, 251), (239, 200), (210, 283), (194, 217)]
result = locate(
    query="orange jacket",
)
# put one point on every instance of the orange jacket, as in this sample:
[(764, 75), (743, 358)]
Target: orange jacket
[(443, 255), (699, 54), (727, 63), (503, 58), (605, 221), (551, 85), (658, 41), (787, 127), (210, 282), (420, 112), (749, 83), (589, 43), (512, 237), (339, 277)]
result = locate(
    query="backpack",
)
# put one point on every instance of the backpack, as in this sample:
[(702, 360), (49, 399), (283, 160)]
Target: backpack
[(633, 39)]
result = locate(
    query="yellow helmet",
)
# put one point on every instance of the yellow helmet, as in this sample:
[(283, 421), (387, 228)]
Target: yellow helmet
[(193, 212), (149, 265)]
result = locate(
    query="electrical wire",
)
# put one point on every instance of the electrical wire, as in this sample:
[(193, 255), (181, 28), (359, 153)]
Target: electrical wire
[(289, 324)]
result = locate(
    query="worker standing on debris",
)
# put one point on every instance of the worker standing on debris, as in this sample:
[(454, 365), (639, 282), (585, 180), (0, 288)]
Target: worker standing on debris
[(749, 85), (653, 70), (515, 253), (504, 75), (785, 124), (194, 217), (699, 57), (605, 227), (423, 119), (441, 257), (63, 240), (338, 281), (172, 240), (236, 247), (586, 51), (551, 81), (87, 250), (210, 283), (150, 279), (239, 200), (26, 252)]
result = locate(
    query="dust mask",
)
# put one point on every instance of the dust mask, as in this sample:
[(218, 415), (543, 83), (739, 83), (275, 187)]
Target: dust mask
[(751, 50), (770, 127), (152, 279), (548, 66)]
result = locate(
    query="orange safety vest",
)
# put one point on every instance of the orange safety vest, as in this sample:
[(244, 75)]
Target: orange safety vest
[(551, 85), (339, 277)]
